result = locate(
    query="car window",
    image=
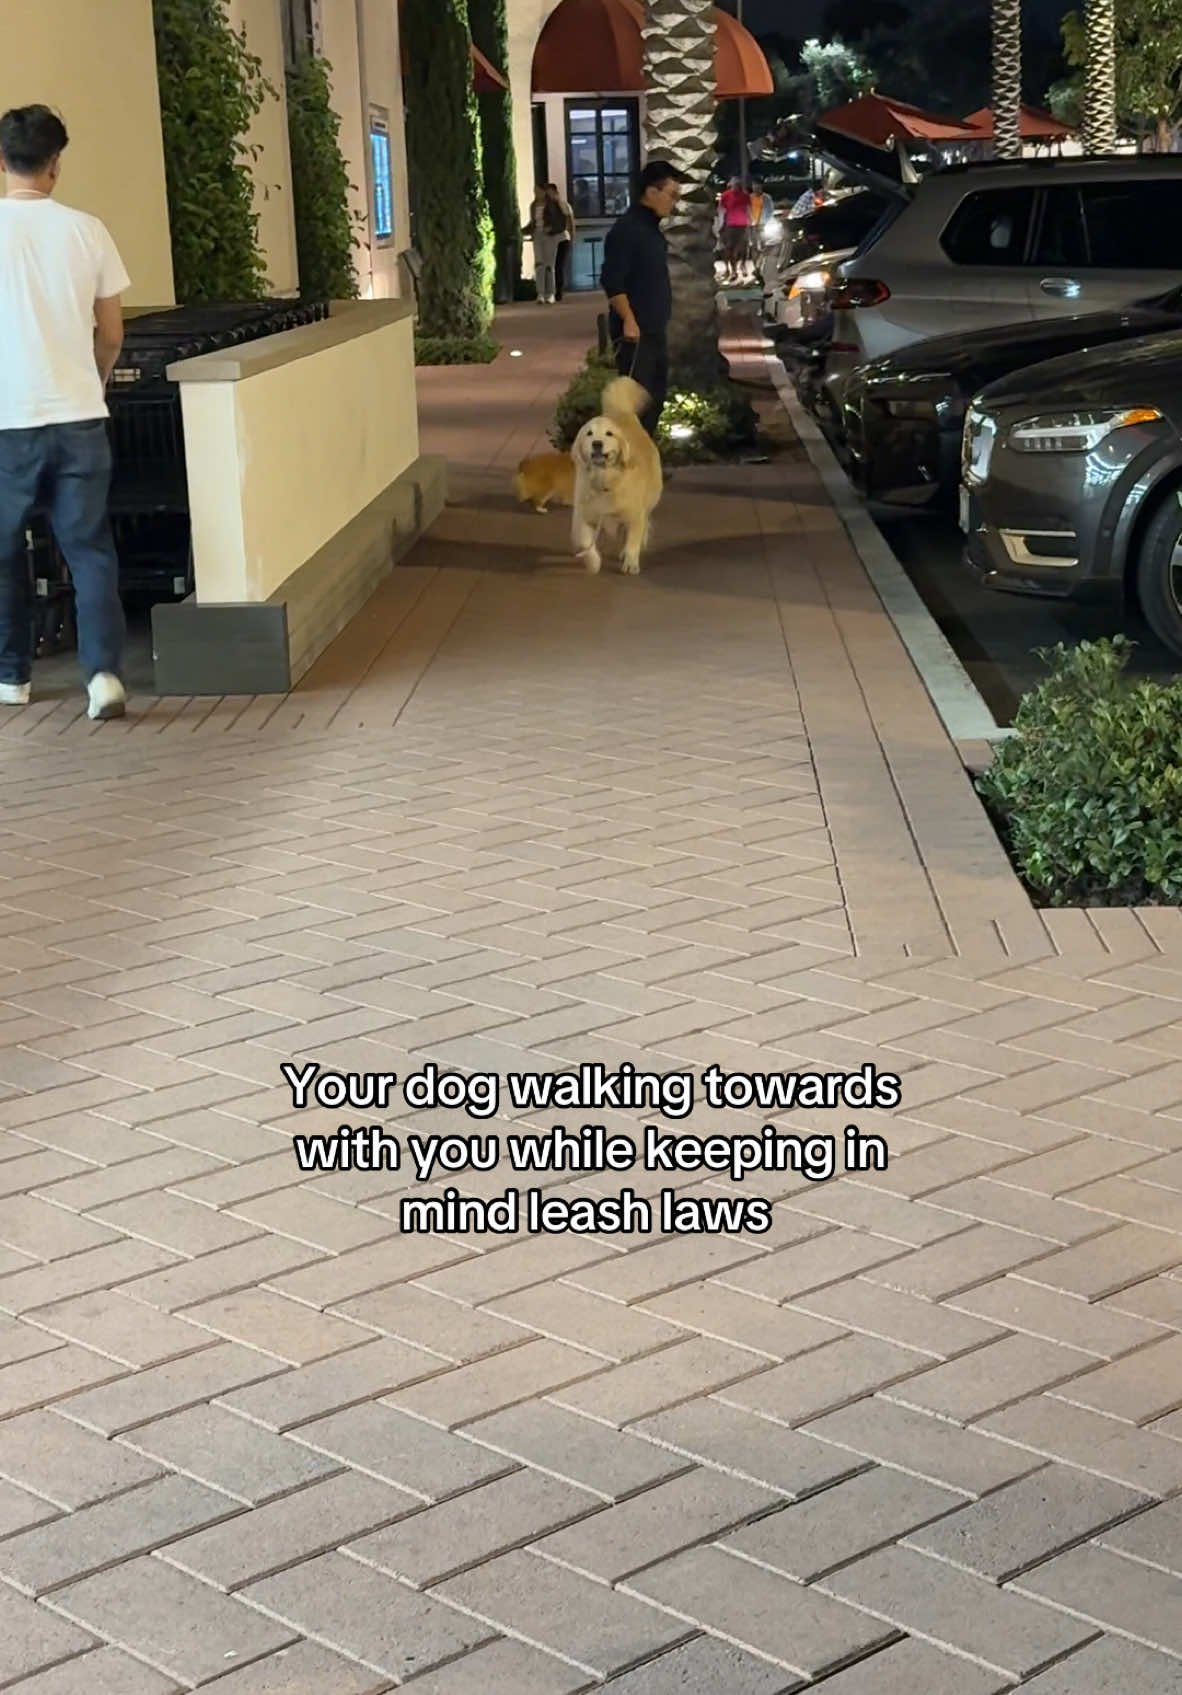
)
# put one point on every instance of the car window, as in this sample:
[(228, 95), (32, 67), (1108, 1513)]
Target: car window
[(1061, 238), (891, 210), (1134, 226), (990, 227)]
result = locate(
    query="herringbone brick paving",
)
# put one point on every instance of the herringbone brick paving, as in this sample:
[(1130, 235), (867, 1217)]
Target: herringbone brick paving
[(923, 1435)]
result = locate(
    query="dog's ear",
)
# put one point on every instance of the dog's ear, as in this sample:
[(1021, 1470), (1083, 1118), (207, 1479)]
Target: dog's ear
[(625, 448)]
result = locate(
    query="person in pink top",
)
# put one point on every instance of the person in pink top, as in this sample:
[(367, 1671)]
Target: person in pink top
[(734, 205)]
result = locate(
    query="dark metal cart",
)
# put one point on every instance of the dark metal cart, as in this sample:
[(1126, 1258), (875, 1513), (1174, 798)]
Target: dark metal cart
[(149, 502)]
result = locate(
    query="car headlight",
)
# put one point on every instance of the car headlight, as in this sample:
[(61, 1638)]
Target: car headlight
[(1076, 432)]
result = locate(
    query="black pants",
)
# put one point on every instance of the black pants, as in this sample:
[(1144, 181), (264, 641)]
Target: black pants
[(561, 260), (648, 361)]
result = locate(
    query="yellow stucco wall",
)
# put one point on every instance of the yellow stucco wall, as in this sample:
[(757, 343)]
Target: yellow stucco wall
[(278, 462), (96, 64)]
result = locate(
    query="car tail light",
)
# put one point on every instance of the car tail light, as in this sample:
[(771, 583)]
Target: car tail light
[(855, 294)]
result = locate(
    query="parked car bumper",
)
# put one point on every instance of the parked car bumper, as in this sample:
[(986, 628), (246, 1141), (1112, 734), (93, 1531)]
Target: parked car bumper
[(1059, 524), (904, 437)]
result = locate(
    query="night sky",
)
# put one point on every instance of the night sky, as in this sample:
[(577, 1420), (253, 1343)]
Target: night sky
[(801, 18)]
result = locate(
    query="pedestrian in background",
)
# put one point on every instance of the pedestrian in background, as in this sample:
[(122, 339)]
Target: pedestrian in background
[(61, 331), (735, 206), (566, 242), (635, 278), (545, 228)]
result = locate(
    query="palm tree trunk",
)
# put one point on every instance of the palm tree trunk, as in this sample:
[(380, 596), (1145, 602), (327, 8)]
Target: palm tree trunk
[(1007, 78), (1099, 116), (680, 126)]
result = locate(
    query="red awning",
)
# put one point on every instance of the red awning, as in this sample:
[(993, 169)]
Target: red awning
[(485, 75), (594, 47), (877, 120), (1033, 124)]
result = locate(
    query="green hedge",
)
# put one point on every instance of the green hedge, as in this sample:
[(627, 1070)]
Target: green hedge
[(326, 234), (455, 350), (695, 426), (1087, 794), (453, 231), (211, 88)]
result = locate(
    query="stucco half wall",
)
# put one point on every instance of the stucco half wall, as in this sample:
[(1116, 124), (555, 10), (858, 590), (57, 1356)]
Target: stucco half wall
[(96, 64), (306, 485)]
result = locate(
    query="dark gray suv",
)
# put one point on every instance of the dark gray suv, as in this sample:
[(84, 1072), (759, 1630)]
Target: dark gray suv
[(1072, 479)]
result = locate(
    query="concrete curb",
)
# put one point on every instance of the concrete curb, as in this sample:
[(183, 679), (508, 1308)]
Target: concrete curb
[(959, 703)]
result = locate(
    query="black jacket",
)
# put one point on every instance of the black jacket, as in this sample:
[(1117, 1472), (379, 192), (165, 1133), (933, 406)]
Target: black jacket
[(636, 263)]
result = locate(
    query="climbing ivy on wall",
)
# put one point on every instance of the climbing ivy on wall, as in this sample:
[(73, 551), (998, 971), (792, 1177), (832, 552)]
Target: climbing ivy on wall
[(453, 231), (326, 233), (211, 87), (490, 32)]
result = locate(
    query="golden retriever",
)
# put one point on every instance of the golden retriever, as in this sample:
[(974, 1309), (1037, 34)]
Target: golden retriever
[(618, 478), (543, 478)]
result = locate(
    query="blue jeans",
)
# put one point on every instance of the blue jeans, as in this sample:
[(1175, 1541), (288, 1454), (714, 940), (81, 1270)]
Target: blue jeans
[(66, 469)]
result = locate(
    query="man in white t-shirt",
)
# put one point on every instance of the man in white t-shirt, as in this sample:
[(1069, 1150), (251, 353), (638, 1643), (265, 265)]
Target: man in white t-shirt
[(61, 331)]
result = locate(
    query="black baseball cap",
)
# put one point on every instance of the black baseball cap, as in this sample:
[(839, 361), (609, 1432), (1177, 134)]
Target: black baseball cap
[(658, 171)]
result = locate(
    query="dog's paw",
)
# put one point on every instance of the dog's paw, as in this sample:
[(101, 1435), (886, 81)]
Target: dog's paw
[(630, 567), (591, 559)]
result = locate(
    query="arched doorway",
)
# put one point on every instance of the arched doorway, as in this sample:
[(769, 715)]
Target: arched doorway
[(585, 97)]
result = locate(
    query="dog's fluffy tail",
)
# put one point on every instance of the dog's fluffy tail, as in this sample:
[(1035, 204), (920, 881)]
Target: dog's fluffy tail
[(624, 398)]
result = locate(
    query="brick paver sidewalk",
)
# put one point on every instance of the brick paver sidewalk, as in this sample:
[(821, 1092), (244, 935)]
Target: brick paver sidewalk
[(921, 1435)]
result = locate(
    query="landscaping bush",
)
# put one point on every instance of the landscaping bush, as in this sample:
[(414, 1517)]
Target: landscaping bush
[(452, 228), (455, 350), (1087, 795), (694, 426), (211, 89), (325, 230), (710, 424), (580, 401)]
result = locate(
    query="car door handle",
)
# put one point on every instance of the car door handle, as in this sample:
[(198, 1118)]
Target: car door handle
[(1065, 287)]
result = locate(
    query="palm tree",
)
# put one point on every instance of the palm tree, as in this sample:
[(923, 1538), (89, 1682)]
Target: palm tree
[(1099, 113), (680, 125), (1007, 78)]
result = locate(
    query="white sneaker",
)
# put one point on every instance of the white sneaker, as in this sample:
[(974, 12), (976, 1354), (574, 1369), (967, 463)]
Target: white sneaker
[(14, 694), (106, 695)]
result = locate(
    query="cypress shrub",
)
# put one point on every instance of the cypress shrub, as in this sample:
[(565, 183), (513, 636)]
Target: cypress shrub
[(452, 227), (490, 33)]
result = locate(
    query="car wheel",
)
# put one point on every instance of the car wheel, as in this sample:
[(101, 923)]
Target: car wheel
[(1159, 572)]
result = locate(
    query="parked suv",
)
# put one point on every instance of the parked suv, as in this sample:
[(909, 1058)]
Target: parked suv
[(978, 245), (1072, 475)]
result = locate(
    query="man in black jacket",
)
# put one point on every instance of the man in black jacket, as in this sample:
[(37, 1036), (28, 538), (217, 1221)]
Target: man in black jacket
[(635, 278)]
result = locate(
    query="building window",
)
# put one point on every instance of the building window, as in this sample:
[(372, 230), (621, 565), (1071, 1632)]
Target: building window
[(383, 190), (602, 153), (299, 30)]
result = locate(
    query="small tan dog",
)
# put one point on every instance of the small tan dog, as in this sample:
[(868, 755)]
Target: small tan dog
[(543, 478), (618, 480)]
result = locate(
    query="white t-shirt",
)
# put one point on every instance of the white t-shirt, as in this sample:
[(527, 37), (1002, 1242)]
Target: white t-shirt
[(55, 263)]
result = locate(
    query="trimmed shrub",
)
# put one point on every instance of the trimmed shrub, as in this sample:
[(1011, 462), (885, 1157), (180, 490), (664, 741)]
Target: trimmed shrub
[(1087, 795), (455, 350), (580, 401), (452, 228), (694, 427), (326, 234), (211, 88)]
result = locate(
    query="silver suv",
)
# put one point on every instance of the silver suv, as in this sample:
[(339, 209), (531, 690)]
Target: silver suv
[(975, 246)]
